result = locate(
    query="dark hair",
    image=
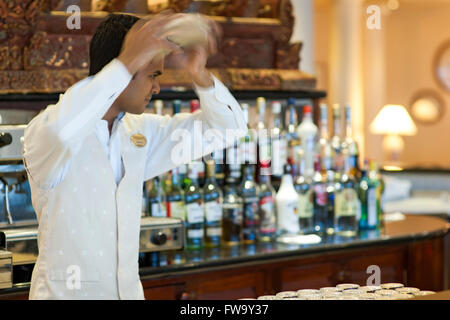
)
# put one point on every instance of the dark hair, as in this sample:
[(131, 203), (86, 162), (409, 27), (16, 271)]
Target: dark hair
[(107, 40)]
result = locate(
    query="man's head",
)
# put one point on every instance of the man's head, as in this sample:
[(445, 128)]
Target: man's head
[(106, 45)]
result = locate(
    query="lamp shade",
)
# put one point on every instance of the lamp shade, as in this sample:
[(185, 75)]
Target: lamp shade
[(393, 119)]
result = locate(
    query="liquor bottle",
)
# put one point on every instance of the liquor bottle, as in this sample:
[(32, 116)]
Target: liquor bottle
[(212, 196), (331, 194), (195, 216), (336, 142), (247, 144), (369, 195), (198, 163), (305, 198), (174, 196), (156, 198), (287, 204), (293, 139), (351, 145), (219, 159), (267, 215), (319, 186), (279, 145), (233, 213), (182, 168), (324, 147), (347, 205), (249, 192), (263, 146), (307, 131)]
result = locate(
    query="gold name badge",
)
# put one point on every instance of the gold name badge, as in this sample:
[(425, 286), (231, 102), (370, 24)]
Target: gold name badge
[(138, 140)]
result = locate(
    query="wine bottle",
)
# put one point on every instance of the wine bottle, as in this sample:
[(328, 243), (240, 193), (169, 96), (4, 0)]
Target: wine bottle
[(249, 192), (369, 195), (319, 186), (198, 163), (212, 195), (347, 205), (156, 198), (195, 216), (264, 145), (292, 137), (182, 168), (279, 145), (174, 196), (233, 213), (305, 198), (247, 144), (267, 215), (336, 141)]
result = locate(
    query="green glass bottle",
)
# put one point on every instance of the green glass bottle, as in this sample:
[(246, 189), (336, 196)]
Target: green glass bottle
[(156, 199), (213, 198), (174, 196), (195, 216), (370, 196)]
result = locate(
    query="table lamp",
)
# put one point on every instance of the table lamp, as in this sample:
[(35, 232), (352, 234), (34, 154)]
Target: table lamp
[(393, 121)]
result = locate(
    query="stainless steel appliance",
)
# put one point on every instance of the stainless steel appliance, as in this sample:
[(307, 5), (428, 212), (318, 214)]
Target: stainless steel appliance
[(5, 269), (161, 234)]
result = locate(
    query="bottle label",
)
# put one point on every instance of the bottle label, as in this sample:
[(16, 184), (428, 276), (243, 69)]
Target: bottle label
[(157, 210), (279, 156), (267, 214), (264, 149), (194, 212), (233, 212), (287, 216), (372, 207), (213, 210), (213, 232), (250, 211), (305, 205), (346, 203), (195, 233), (175, 209), (320, 194), (247, 149)]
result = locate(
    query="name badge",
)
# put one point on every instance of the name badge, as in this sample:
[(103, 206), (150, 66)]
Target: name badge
[(138, 140)]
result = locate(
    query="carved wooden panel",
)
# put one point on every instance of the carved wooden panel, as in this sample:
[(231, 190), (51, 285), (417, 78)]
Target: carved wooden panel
[(38, 53)]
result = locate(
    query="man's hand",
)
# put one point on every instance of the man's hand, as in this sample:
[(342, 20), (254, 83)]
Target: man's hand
[(144, 42), (194, 59)]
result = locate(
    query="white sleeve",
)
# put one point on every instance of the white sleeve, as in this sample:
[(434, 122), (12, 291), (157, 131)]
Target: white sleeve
[(186, 137), (57, 133)]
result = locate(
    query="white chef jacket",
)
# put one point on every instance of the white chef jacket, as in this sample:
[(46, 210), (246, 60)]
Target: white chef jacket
[(88, 205)]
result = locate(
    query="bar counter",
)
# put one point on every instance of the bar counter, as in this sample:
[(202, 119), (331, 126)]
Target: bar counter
[(413, 251)]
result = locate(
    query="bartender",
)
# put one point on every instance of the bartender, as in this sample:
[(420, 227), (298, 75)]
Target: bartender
[(88, 155)]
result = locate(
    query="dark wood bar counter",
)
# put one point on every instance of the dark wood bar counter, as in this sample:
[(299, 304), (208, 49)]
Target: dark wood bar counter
[(413, 251)]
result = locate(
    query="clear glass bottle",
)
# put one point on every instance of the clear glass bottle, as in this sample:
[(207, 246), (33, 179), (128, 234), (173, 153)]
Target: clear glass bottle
[(331, 190), (307, 131), (347, 205), (267, 214), (213, 198), (197, 163), (233, 213), (249, 192), (279, 145), (287, 204), (319, 186), (350, 145), (305, 198), (264, 145), (293, 139), (336, 140), (195, 216), (247, 144), (156, 198)]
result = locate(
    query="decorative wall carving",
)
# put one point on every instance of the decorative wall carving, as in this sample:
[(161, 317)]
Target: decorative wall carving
[(39, 54)]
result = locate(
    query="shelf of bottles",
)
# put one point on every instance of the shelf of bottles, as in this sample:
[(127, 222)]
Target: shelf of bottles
[(284, 178)]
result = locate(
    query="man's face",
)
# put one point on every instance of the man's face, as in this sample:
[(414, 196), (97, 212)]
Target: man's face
[(141, 88)]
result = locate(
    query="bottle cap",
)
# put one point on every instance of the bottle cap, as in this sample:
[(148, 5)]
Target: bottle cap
[(291, 102), (276, 107), (176, 106), (307, 109), (195, 105), (159, 105), (261, 101)]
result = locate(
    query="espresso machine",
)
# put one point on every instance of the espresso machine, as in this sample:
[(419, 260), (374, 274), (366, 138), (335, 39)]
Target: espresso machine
[(18, 223)]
